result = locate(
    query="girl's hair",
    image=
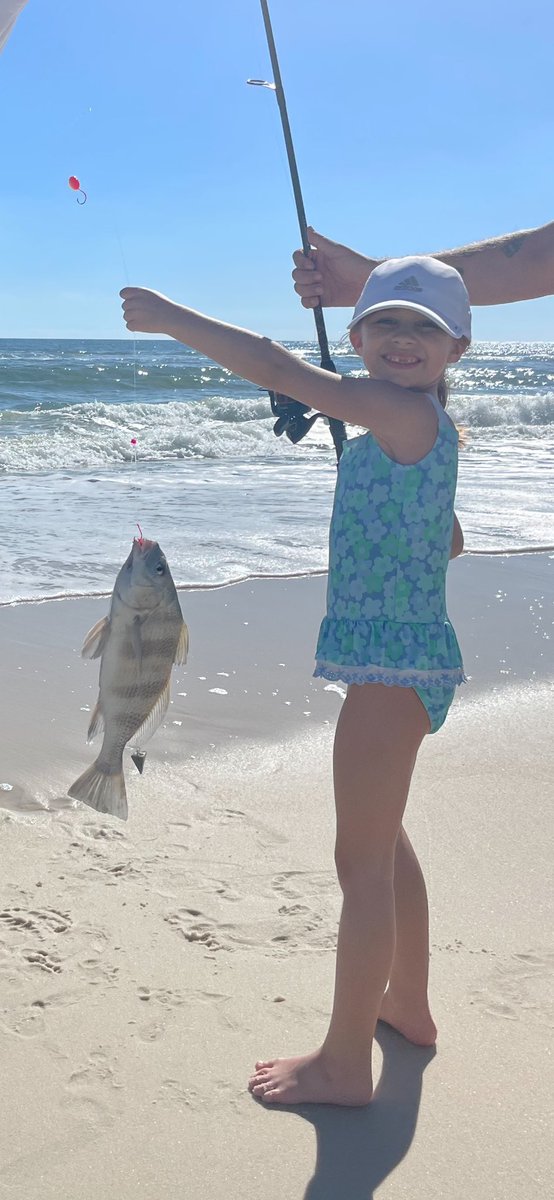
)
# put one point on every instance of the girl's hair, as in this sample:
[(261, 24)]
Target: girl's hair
[(443, 389), (443, 386), (443, 393)]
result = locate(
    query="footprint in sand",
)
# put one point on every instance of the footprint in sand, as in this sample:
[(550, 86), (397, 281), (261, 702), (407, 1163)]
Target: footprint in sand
[(36, 920), (211, 934), (214, 886), (226, 890), (174, 1093), (91, 1094), (267, 835), (24, 1021), (45, 940), (45, 962), (96, 972), (169, 999), (151, 1032), (8, 971), (164, 996), (104, 857), (99, 862), (297, 927), (296, 885), (185, 921), (102, 833), (31, 940), (519, 988)]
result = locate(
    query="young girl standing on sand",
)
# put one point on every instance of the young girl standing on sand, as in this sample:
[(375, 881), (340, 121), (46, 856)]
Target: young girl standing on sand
[(386, 633)]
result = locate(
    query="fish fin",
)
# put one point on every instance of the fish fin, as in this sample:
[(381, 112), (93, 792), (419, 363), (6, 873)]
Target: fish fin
[(100, 790), (95, 641), (154, 718), (136, 639), (182, 646), (96, 723)]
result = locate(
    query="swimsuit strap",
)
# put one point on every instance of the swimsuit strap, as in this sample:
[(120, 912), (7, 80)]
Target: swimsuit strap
[(441, 412)]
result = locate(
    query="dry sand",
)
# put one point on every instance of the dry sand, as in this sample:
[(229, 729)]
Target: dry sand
[(144, 966)]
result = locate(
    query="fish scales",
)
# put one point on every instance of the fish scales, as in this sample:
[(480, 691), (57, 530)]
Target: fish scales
[(137, 643)]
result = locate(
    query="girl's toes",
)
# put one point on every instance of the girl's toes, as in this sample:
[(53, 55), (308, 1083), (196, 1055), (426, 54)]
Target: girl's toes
[(259, 1077), (261, 1089), (260, 1065)]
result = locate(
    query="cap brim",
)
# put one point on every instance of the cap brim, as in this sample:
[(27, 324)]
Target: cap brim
[(428, 312)]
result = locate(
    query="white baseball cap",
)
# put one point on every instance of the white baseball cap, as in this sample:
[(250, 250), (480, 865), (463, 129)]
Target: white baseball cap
[(423, 284)]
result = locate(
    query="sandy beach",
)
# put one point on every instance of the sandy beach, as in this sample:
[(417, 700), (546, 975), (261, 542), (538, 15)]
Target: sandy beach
[(144, 966)]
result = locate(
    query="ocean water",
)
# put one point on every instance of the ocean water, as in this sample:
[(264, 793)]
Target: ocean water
[(208, 478)]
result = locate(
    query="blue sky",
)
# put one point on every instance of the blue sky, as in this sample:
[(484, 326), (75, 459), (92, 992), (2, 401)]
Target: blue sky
[(416, 129)]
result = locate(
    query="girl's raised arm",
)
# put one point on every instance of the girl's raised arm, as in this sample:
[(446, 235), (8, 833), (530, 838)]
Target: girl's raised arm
[(373, 404)]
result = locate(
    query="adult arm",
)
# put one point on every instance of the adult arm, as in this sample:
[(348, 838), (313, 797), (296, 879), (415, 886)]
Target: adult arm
[(516, 266)]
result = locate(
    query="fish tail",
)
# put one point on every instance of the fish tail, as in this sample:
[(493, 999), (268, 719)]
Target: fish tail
[(102, 789)]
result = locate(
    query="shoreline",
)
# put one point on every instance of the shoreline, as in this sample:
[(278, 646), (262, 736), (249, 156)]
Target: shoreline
[(505, 552)]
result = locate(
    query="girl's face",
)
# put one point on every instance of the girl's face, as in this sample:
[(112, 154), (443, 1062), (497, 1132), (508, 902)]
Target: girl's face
[(405, 347)]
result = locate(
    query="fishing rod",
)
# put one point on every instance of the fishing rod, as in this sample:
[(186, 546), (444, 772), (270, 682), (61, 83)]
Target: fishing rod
[(291, 414)]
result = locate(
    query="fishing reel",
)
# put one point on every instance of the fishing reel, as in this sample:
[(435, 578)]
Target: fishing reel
[(291, 417)]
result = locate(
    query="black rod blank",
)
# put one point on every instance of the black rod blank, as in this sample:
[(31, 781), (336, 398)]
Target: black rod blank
[(336, 427)]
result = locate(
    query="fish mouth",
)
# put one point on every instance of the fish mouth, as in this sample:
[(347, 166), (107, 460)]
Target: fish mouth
[(143, 545)]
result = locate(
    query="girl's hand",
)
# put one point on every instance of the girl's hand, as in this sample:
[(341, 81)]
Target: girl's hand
[(333, 276), (147, 312)]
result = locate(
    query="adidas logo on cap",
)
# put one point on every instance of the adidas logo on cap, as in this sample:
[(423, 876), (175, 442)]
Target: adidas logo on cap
[(410, 284)]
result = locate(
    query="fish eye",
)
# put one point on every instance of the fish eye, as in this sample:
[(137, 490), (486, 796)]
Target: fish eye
[(160, 569)]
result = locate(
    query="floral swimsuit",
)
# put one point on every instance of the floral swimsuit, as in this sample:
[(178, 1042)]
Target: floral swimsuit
[(390, 542)]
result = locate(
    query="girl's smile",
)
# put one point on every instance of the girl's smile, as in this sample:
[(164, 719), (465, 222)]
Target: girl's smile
[(397, 361), (401, 343)]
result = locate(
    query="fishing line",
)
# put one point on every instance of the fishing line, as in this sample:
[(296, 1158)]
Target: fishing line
[(128, 282), (134, 441), (74, 183)]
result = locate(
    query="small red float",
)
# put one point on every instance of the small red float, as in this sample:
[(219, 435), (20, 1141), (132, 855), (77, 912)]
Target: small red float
[(76, 187)]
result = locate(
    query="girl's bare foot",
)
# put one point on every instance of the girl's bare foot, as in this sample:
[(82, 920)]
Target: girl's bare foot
[(310, 1079), (416, 1025)]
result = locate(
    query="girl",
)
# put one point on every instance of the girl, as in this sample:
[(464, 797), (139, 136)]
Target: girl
[(386, 633)]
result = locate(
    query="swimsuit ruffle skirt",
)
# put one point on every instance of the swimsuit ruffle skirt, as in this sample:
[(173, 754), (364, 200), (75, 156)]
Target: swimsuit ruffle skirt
[(390, 541)]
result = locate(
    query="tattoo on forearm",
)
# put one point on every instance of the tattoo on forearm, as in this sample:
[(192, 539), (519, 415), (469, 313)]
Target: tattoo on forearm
[(510, 248)]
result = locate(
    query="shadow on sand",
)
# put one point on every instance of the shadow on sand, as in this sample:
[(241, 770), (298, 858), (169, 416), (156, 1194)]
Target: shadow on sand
[(357, 1148)]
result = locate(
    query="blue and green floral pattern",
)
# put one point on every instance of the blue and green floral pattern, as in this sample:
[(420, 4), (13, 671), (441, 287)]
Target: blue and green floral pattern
[(390, 540)]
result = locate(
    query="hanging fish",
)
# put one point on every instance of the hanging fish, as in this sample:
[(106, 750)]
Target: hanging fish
[(75, 186), (137, 643)]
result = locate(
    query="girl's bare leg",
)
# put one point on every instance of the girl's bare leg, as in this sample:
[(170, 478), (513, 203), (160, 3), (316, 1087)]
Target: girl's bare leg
[(379, 732), (405, 1003)]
